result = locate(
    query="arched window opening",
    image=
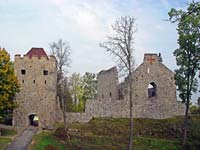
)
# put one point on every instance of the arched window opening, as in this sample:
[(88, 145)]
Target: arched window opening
[(33, 119), (152, 90), (110, 95)]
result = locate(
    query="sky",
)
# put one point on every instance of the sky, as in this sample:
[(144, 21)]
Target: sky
[(86, 23)]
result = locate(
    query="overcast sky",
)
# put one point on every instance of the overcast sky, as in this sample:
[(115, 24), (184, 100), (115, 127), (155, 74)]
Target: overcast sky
[(86, 23)]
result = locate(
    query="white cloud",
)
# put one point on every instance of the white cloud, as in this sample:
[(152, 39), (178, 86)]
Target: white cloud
[(56, 2), (166, 3), (85, 23)]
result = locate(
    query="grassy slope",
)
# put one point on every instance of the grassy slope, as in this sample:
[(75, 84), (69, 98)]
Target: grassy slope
[(112, 134), (6, 132), (4, 142), (3, 139), (43, 140)]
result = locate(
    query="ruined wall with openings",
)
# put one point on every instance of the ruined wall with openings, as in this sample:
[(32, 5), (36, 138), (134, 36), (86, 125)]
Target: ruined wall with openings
[(154, 93)]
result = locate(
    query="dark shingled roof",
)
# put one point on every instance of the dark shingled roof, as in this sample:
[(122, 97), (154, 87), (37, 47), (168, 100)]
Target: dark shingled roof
[(39, 52)]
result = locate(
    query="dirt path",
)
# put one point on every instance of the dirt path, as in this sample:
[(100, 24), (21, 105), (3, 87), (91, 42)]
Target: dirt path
[(22, 141)]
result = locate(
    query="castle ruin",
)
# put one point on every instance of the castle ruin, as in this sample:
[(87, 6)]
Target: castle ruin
[(154, 91)]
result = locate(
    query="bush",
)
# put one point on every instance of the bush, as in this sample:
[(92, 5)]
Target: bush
[(51, 147), (6, 132), (60, 133), (195, 110)]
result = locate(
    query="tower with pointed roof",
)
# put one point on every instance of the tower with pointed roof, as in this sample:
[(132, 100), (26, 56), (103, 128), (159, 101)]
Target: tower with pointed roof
[(37, 100)]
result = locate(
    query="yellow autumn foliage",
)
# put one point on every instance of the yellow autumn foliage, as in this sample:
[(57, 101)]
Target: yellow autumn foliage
[(9, 85)]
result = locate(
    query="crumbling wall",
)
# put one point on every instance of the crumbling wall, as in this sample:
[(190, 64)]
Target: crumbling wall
[(107, 85), (162, 105)]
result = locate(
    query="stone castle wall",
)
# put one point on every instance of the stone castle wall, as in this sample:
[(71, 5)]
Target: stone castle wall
[(38, 92), (151, 72)]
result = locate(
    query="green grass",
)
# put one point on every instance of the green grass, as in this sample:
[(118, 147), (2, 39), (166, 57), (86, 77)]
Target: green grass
[(119, 143), (6, 132), (112, 134), (4, 142), (103, 143), (155, 144), (43, 140)]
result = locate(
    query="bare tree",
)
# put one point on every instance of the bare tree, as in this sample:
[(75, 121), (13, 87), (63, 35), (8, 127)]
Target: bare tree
[(61, 50), (120, 44)]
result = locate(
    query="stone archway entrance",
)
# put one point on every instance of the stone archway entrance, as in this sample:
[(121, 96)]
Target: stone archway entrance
[(33, 119)]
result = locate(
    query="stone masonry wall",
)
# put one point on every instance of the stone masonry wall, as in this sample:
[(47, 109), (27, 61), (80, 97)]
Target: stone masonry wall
[(38, 93), (163, 105), (78, 117), (107, 85)]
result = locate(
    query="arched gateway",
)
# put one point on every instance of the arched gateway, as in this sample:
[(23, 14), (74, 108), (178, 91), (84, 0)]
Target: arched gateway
[(33, 119)]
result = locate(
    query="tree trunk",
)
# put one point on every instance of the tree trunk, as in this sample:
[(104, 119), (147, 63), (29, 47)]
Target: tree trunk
[(64, 111), (131, 113), (185, 124), (75, 102)]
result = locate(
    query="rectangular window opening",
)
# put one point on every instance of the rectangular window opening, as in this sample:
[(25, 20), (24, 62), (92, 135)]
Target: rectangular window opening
[(45, 72), (34, 81), (23, 71)]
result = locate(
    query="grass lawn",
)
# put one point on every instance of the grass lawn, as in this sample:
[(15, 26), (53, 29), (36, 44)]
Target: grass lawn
[(6, 132), (110, 143), (45, 140), (112, 134), (155, 144), (4, 142)]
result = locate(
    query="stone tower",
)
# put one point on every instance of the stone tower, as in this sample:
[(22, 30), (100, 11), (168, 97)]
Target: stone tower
[(36, 73), (107, 85)]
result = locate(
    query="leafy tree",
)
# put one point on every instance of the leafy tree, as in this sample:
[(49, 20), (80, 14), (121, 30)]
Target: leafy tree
[(195, 110), (9, 85), (187, 54), (81, 89), (120, 44), (76, 88), (68, 97), (198, 102), (89, 86)]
